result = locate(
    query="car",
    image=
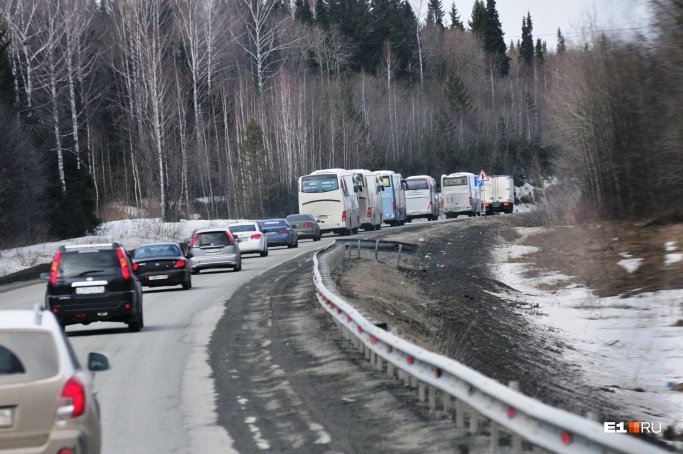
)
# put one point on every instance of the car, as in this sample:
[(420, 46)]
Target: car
[(214, 248), (47, 402), (162, 264), (306, 226), (250, 237), (94, 283), (279, 233)]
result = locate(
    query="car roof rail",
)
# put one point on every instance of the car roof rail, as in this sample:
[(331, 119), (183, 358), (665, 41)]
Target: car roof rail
[(38, 311), (115, 244)]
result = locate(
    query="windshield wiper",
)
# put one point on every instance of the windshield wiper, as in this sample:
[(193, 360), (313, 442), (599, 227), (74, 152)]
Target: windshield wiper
[(85, 273)]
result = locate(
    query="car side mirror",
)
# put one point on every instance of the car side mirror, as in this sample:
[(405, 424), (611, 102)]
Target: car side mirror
[(189, 255), (97, 362), (44, 276)]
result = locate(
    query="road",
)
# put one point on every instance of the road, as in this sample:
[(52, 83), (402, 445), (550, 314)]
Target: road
[(159, 395)]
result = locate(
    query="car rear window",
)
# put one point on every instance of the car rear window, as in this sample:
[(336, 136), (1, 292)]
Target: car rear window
[(157, 250), (213, 239), (27, 355), (266, 224), (300, 217), (242, 228), (88, 263)]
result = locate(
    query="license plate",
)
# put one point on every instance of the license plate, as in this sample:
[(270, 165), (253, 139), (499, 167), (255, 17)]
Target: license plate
[(271, 233), (90, 290), (5, 417), (158, 277)]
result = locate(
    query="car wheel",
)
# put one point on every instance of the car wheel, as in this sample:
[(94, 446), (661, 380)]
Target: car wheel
[(195, 271), (187, 285), (296, 244), (264, 253), (238, 267), (136, 326), (354, 231), (317, 238)]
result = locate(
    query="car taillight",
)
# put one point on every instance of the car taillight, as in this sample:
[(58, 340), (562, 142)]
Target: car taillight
[(179, 264), (194, 239), (343, 216), (55, 267), (393, 206), (65, 451), (369, 212), (308, 225), (229, 235), (72, 400), (282, 231), (125, 273), (255, 236)]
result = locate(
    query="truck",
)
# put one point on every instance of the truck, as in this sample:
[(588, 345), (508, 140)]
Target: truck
[(498, 194)]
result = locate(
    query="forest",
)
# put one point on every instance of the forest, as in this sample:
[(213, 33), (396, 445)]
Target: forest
[(213, 108)]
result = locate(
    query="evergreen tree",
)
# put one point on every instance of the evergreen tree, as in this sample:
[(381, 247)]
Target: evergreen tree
[(511, 49), (538, 51), (456, 94), (353, 19), (435, 13), (561, 46), (322, 17), (302, 12), (526, 48), (392, 22), (477, 23), (455, 19), (494, 44)]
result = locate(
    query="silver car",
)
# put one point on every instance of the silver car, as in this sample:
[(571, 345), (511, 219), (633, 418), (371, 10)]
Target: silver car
[(214, 248), (47, 402), (250, 237)]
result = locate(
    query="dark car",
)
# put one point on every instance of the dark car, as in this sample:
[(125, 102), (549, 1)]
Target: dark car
[(305, 225), (214, 248), (94, 283), (279, 233), (162, 264)]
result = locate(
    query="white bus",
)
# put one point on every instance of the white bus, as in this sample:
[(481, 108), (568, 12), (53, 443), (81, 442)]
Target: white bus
[(393, 197), (459, 195), (422, 198), (330, 196), (369, 199)]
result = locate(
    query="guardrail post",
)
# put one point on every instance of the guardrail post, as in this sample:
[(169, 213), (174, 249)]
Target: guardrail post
[(413, 381), (390, 369), (516, 439), (358, 248), (495, 437), (446, 402), (376, 249), (398, 260), (474, 421), (421, 395), (432, 399), (379, 362), (459, 414)]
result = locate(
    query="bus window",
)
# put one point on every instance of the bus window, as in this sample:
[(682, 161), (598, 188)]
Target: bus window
[(455, 181), (386, 181), (319, 183), (417, 184)]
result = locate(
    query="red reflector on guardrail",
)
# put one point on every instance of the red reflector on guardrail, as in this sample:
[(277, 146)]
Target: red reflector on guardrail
[(511, 412), (348, 318), (566, 438), (437, 372), (410, 359), (373, 340), (360, 330)]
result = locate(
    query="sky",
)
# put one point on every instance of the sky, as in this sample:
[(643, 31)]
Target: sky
[(572, 16)]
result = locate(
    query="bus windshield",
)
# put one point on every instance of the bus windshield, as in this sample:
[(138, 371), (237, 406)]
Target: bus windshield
[(455, 181), (319, 183)]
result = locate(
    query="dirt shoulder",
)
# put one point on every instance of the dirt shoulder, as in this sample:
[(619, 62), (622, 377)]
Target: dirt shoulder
[(445, 300)]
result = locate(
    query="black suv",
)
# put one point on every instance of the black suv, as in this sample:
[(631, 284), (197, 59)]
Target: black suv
[(94, 283)]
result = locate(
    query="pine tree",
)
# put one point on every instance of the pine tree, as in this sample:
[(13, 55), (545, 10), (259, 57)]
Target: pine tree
[(435, 13), (561, 46), (477, 23), (526, 48), (322, 17), (494, 44), (538, 51), (511, 48), (455, 19), (302, 12), (456, 94), (392, 22)]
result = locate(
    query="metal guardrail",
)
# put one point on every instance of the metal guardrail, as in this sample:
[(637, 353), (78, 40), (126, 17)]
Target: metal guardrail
[(474, 397)]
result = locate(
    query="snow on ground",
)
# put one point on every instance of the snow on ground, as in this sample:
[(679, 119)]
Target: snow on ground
[(131, 233), (626, 346)]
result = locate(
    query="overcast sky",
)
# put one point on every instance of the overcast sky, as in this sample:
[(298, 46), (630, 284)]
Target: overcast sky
[(572, 16)]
